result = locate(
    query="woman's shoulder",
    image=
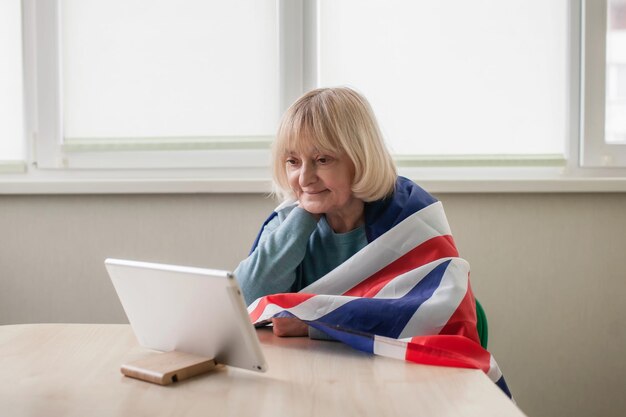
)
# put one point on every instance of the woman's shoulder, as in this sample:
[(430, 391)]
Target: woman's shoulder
[(408, 189), (407, 199), (406, 194)]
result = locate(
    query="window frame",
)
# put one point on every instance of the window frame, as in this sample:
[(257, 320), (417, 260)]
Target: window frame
[(594, 151), (214, 154)]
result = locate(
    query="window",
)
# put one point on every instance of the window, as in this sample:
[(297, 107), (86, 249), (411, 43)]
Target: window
[(455, 77), (168, 89), (159, 84), (12, 150)]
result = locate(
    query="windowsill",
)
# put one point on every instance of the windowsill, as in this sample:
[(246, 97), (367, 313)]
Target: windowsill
[(135, 186), (435, 180)]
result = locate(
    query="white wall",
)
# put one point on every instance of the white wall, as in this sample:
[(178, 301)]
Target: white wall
[(548, 268)]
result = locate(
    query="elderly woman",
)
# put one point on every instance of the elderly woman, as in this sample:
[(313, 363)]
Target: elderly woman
[(332, 168), (357, 253)]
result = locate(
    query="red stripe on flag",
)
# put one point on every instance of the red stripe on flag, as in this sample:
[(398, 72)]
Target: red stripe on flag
[(287, 300), (463, 320), (448, 350), (429, 251)]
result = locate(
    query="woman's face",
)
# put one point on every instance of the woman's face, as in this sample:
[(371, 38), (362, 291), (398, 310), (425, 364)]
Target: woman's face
[(322, 182)]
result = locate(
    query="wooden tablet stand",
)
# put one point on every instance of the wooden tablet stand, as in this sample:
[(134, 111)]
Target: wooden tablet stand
[(166, 368)]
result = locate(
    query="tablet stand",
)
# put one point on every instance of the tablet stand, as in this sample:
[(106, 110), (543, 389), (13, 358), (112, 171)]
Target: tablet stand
[(166, 368)]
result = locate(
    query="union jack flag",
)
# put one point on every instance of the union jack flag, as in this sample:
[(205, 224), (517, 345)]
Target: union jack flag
[(406, 295)]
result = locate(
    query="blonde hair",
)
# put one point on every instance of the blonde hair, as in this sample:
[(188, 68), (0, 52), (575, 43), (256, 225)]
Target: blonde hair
[(336, 120)]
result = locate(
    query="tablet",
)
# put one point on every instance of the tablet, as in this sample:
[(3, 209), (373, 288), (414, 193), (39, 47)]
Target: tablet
[(191, 310)]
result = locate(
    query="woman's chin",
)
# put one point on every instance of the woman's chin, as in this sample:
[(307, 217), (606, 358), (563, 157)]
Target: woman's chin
[(313, 208)]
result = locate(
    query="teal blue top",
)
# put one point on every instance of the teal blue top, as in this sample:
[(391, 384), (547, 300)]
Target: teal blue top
[(295, 250)]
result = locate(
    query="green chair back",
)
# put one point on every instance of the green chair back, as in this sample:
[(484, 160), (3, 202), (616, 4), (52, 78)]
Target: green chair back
[(481, 325)]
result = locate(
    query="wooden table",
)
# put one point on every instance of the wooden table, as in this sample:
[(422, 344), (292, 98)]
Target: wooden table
[(74, 370)]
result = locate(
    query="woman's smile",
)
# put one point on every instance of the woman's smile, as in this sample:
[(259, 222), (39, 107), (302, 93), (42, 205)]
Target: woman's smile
[(314, 192)]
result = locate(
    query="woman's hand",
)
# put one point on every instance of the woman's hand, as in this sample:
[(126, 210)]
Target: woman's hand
[(316, 216), (289, 327)]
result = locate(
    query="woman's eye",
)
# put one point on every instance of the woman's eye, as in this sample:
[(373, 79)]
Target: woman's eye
[(323, 160), (291, 162)]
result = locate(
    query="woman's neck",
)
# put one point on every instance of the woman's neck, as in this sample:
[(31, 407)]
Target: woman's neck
[(348, 219)]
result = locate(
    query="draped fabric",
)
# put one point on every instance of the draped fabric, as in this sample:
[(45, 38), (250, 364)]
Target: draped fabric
[(406, 295)]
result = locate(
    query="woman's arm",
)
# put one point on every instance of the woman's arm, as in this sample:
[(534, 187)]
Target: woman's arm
[(271, 267)]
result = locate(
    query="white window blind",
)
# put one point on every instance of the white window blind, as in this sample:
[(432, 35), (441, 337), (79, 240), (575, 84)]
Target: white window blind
[(11, 108), (135, 69), (454, 77)]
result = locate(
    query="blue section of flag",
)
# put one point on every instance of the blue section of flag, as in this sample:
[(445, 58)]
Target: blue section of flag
[(382, 215), (501, 383), (386, 316), (360, 341), (258, 236)]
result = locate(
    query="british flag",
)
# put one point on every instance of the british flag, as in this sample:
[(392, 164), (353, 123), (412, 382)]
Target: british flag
[(406, 295)]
